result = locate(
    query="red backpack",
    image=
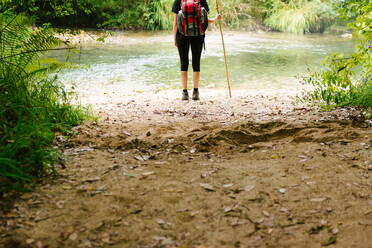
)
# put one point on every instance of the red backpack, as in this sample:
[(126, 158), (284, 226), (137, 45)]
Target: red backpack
[(192, 18)]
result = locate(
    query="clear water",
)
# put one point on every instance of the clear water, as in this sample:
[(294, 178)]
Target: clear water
[(149, 61)]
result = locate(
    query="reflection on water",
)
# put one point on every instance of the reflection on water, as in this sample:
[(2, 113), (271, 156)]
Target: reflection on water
[(149, 61)]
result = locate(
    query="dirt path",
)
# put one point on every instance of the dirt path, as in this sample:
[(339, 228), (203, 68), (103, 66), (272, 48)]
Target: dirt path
[(157, 174)]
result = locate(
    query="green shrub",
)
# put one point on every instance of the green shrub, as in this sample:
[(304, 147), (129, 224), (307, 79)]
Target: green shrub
[(33, 105), (347, 81)]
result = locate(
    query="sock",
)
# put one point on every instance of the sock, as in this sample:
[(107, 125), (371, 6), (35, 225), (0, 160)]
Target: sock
[(196, 89), (184, 90)]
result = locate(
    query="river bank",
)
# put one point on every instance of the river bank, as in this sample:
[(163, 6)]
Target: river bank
[(100, 37), (156, 171)]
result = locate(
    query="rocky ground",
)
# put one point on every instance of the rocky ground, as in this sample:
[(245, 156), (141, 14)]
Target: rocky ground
[(251, 171)]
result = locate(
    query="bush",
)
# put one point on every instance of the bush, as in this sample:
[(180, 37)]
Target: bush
[(33, 105), (347, 81)]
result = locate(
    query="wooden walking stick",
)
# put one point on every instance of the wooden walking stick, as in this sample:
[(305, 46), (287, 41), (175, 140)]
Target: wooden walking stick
[(224, 51)]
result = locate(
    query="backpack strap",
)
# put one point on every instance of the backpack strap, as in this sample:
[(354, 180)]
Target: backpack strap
[(184, 10), (199, 28), (196, 17)]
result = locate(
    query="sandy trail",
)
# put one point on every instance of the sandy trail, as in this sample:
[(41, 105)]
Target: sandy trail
[(252, 171)]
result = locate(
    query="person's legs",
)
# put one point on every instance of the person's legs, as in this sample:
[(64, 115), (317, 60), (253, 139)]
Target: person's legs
[(196, 49), (183, 46), (184, 79), (196, 79)]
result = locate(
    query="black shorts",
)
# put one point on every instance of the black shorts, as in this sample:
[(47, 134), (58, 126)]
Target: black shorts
[(183, 44)]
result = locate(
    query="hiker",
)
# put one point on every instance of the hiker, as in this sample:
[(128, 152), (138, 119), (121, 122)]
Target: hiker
[(190, 23)]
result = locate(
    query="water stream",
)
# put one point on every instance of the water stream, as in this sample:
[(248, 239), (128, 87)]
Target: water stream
[(149, 61)]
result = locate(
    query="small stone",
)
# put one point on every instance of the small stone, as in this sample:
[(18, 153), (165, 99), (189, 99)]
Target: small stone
[(73, 236), (30, 241), (266, 213)]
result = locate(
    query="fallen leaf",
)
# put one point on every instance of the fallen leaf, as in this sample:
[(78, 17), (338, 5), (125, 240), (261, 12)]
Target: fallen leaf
[(275, 156), (207, 186), (30, 241), (145, 174), (60, 204), (293, 185), (39, 244), (282, 190), (236, 222), (91, 180), (192, 214), (331, 240), (227, 209), (203, 174), (368, 211), (73, 236), (284, 210), (127, 174), (67, 187), (321, 199), (126, 133), (139, 158), (228, 185), (105, 238), (249, 188), (266, 213)]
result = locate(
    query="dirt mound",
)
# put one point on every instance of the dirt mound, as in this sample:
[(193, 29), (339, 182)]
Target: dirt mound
[(208, 137), (203, 184)]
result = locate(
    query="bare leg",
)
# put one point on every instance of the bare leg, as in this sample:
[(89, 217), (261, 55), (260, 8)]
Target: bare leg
[(196, 77), (184, 79)]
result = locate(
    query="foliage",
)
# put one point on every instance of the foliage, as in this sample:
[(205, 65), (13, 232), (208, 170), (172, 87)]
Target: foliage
[(301, 16), (33, 105), (242, 13), (296, 16), (347, 81), (148, 14)]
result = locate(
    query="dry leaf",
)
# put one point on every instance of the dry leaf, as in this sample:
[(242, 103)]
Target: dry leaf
[(30, 241), (368, 211), (105, 238), (207, 186), (266, 213), (275, 156), (73, 236), (60, 204), (249, 188), (227, 209), (145, 174), (321, 199), (228, 185)]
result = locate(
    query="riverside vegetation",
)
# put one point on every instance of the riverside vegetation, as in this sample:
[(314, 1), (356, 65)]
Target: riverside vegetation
[(297, 16), (33, 105), (347, 81)]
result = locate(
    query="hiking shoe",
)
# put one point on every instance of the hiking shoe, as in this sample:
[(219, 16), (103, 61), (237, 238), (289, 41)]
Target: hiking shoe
[(195, 95), (185, 95)]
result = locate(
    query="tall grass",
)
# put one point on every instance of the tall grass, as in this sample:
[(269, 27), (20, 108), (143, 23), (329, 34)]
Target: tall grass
[(157, 14), (33, 106), (301, 16)]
